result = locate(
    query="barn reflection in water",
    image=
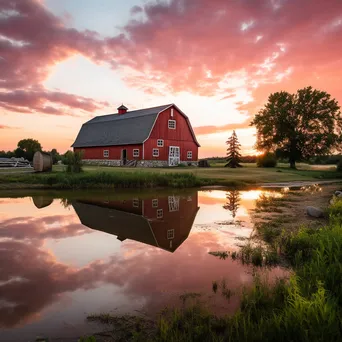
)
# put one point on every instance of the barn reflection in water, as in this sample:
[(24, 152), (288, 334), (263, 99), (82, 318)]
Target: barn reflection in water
[(164, 222)]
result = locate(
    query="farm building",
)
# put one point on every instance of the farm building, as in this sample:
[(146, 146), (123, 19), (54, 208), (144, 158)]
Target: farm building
[(151, 137)]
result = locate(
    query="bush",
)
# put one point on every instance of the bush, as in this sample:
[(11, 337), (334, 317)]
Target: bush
[(267, 160), (73, 160)]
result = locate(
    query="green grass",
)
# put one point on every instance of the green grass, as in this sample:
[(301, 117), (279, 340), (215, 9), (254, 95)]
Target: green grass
[(101, 176), (121, 179)]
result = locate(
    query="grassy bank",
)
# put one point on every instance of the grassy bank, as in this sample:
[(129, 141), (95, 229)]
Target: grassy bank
[(138, 179), (102, 177), (305, 307)]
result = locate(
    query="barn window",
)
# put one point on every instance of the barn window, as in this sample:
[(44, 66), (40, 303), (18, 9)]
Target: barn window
[(172, 124), (155, 203), (136, 153), (159, 213), (170, 234), (189, 154), (105, 153), (155, 152), (160, 142), (136, 202)]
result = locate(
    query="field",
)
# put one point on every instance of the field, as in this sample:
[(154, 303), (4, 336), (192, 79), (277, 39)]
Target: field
[(249, 173), (179, 177)]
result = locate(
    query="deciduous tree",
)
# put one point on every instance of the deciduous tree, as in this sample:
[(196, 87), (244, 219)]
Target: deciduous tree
[(299, 126)]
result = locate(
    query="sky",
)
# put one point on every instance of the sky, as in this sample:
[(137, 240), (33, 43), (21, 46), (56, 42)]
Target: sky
[(63, 62)]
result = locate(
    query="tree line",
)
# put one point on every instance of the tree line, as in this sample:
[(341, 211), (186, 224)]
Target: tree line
[(26, 148)]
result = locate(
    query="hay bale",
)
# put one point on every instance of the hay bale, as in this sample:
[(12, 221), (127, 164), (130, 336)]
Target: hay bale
[(42, 162)]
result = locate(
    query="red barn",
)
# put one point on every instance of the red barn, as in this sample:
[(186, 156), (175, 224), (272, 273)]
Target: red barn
[(158, 136)]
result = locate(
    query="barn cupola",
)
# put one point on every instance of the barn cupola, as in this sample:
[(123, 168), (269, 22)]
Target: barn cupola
[(122, 109)]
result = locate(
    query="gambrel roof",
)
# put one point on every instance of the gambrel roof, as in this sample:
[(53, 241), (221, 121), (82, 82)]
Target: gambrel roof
[(133, 127)]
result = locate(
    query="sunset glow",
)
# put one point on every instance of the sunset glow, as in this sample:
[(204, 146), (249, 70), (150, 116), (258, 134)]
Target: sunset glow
[(63, 62)]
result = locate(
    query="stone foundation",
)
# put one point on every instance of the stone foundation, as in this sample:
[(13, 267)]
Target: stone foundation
[(102, 162), (140, 163)]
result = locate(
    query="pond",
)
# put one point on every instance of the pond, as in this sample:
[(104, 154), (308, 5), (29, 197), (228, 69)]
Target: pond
[(66, 255)]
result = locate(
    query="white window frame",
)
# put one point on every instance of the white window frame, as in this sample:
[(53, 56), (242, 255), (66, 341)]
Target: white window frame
[(136, 153), (155, 152), (173, 124), (160, 143), (160, 213), (105, 153), (189, 154), (136, 202), (170, 234), (155, 203)]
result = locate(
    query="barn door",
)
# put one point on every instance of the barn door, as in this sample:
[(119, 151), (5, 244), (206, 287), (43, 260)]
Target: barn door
[(174, 155)]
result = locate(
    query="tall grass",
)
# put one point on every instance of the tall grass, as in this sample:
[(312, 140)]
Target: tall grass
[(139, 179), (307, 307)]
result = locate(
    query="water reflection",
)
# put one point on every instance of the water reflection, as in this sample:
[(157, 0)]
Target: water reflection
[(85, 252), (163, 222), (233, 199)]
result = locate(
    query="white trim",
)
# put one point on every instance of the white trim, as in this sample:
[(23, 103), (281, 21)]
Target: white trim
[(107, 153), (187, 155), (160, 141), (170, 236), (136, 150), (153, 150), (160, 213), (143, 151), (186, 118), (155, 203), (135, 202), (171, 112), (172, 121)]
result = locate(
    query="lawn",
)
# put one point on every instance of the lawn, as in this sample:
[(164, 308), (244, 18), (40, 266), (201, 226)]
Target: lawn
[(178, 177), (249, 173)]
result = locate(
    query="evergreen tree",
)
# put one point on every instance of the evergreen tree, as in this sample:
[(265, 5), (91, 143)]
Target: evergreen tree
[(233, 200), (233, 152)]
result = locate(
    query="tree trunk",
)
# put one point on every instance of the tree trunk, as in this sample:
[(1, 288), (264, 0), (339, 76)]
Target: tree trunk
[(292, 163)]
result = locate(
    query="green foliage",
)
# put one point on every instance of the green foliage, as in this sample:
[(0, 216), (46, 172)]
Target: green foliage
[(299, 125), (8, 154), (27, 148), (139, 179), (74, 162), (87, 339), (233, 152), (55, 156), (267, 160)]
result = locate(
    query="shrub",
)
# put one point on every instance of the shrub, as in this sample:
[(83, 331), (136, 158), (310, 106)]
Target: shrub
[(267, 160), (73, 160)]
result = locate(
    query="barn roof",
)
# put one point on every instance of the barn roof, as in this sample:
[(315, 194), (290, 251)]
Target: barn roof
[(133, 127)]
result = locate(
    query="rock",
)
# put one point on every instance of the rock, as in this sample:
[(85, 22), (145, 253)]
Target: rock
[(314, 212), (338, 193)]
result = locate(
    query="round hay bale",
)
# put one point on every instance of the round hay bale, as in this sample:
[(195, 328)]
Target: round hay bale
[(42, 162), (42, 201)]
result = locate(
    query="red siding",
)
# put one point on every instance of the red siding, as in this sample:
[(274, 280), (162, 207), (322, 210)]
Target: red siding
[(181, 136), (114, 152)]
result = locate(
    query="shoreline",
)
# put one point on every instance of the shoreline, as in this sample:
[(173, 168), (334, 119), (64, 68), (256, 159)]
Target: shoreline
[(240, 185)]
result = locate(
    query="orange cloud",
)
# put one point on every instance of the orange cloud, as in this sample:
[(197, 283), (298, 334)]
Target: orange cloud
[(203, 130)]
